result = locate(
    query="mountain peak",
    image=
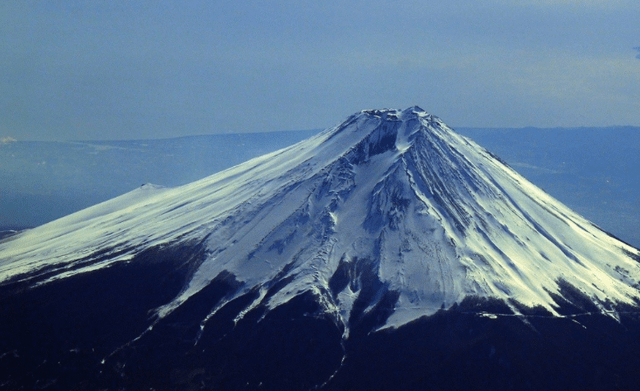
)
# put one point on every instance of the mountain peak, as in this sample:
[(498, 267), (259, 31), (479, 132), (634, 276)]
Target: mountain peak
[(394, 114), (376, 131), (389, 208)]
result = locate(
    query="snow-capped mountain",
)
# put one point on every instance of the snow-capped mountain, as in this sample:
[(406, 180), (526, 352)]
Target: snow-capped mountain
[(384, 219), (432, 215)]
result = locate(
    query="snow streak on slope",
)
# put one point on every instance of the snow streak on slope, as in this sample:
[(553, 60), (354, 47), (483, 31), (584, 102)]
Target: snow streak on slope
[(388, 204)]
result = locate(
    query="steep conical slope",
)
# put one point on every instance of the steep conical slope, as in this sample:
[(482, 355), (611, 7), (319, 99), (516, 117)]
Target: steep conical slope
[(389, 206)]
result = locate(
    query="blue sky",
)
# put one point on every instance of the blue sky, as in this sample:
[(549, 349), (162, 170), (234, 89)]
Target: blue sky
[(150, 69)]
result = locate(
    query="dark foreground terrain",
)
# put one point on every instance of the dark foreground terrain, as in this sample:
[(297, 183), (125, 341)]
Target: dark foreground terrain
[(88, 333)]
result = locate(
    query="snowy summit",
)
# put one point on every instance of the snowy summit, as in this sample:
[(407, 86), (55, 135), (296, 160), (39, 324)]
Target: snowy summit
[(389, 207)]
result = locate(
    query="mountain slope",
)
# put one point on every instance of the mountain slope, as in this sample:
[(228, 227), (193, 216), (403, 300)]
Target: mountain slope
[(387, 252), (394, 200), (50, 180)]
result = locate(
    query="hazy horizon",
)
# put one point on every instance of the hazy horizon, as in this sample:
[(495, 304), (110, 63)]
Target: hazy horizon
[(10, 139)]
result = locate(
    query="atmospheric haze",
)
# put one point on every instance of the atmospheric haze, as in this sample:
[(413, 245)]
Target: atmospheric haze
[(95, 70)]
